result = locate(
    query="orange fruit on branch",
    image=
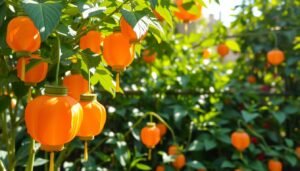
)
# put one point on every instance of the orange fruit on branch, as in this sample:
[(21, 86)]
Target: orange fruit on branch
[(160, 168), (179, 161), (240, 140), (92, 40), (185, 15), (274, 165), (150, 135), (223, 50), (162, 128), (275, 57), (118, 53), (251, 79), (149, 56), (76, 85), (127, 30), (22, 35), (35, 74), (94, 118)]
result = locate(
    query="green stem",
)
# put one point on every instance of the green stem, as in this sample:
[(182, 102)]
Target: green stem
[(89, 79), (11, 140), (2, 167), (31, 157), (99, 144), (165, 123), (58, 55), (62, 156)]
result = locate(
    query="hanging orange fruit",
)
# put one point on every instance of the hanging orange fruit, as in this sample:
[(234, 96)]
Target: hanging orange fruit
[(22, 35), (180, 160), (186, 16), (240, 140), (162, 128), (149, 56), (53, 119), (118, 53), (92, 40), (36, 74), (94, 118), (76, 85), (275, 57), (223, 50), (274, 165), (150, 135)]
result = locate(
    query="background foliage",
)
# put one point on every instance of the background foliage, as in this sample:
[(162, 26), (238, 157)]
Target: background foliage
[(203, 100)]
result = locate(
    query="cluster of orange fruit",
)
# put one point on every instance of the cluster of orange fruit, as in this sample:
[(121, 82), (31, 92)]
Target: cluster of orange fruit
[(241, 141)]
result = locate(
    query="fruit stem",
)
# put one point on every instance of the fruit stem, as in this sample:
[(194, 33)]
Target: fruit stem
[(86, 151), (58, 55), (149, 153), (51, 166), (118, 82), (23, 68)]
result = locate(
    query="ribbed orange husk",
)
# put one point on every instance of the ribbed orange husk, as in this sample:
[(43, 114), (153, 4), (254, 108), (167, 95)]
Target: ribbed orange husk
[(150, 136), (53, 120), (148, 56), (240, 140), (179, 162), (275, 57), (117, 50), (274, 165), (94, 118), (223, 50), (186, 16), (22, 35), (76, 85), (36, 74), (127, 30), (162, 128), (91, 40)]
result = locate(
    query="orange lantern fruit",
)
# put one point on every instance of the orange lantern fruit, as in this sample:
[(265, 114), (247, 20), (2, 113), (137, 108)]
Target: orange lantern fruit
[(53, 119), (180, 160), (162, 129), (150, 136), (76, 85), (92, 40), (275, 57), (240, 140), (118, 53), (160, 168), (148, 56), (223, 50), (22, 35), (34, 75), (94, 118), (186, 16), (274, 165)]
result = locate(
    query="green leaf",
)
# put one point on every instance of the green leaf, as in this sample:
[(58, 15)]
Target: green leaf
[(195, 164), (209, 144), (227, 164), (233, 45), (196, 145), (91, 59), (45, 16), (141, 166), (91, 12), (165, 13), (104, 77), (292, 159), (39, 162), (279, 116), (289, 142), (249, 116)]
